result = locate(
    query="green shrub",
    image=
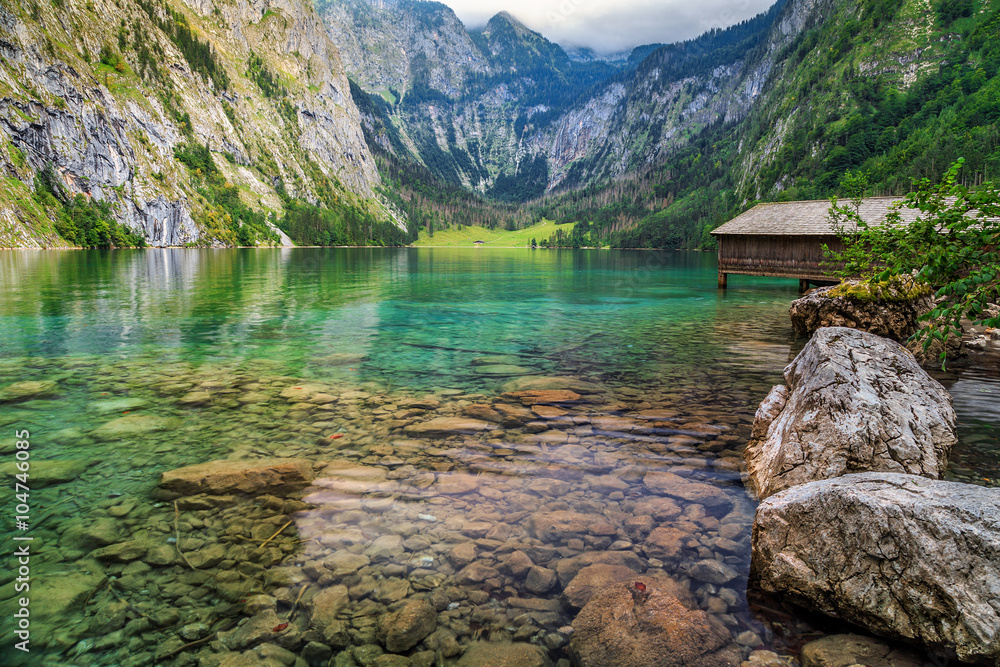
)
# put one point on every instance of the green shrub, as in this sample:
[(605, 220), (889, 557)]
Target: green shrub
[(82, 222), (200, 56), (109, 57), (17, 157), (953, 246)]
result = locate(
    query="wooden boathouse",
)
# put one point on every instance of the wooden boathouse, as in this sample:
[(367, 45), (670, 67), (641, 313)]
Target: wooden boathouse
[(786, 239)]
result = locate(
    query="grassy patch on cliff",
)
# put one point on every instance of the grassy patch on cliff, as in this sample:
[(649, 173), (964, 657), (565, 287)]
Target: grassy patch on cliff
[(32, 214), (228, 219)]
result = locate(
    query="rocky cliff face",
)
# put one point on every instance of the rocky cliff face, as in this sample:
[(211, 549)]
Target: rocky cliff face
[(484, 106), (383, 41), (635, 122), (487, 108), (105, 106), (467, 101), (628, 127)]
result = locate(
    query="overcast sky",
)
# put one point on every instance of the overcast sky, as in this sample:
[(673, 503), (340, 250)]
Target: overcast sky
[(609, 26)]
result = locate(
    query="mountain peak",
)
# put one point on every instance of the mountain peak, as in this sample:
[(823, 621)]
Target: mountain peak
[(506, 19)]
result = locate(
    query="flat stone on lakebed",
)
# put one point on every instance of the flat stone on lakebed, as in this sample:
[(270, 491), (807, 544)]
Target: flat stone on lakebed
[(544, 396), (195, 398), (45, 473), (341, 359), (444, 426), (547, 383), (675, 486), (25, 391), (111, 405), (301, 393), (239, 476), (502, 369), (456, 484), (133, 425)]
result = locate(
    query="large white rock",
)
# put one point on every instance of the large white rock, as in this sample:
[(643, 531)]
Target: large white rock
[(904, 556), (854, 402)]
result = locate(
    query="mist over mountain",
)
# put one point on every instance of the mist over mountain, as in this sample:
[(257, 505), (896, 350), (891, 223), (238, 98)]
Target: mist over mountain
[(613, 28)]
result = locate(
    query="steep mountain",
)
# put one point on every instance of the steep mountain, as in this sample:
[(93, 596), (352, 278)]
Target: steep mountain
[(506, 112), (156, 121), (222, 123), (636, 119), (897, 89), (383, 44), (464, 103)]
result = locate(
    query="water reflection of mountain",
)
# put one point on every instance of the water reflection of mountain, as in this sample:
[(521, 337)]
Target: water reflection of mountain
[(237, 303)]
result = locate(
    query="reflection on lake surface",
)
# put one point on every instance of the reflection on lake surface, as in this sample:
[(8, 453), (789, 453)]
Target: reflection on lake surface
[(484, 428)]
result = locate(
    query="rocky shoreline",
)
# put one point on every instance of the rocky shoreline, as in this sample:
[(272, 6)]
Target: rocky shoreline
[(855, 522), (558, 521)]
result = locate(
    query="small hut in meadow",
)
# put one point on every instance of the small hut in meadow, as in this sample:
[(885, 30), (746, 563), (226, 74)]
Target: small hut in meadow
[(786, 239)]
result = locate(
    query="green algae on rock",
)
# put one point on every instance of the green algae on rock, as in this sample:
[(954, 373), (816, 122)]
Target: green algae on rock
[(26, 391), (46, 473), (131, 426)]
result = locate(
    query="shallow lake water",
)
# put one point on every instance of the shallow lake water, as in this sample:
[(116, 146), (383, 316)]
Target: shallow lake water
[(400, 376)]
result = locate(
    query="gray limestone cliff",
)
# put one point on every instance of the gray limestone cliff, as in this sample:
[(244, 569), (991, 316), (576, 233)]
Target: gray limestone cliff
[(104, 109)]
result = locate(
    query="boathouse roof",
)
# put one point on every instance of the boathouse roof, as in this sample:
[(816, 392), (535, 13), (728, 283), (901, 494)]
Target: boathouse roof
[(805, 218)]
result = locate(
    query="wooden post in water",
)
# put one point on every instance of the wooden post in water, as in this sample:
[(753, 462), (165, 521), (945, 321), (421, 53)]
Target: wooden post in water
[(723, 280), (803, 285)]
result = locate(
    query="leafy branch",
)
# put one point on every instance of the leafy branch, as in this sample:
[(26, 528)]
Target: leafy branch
[(953, 247)]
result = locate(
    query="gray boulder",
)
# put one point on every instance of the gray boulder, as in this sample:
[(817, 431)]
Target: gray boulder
[(903, 556), (891, 313), (854, 402)]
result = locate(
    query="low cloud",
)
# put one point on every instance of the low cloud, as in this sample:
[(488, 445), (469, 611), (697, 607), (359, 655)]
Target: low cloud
[(610, 27)]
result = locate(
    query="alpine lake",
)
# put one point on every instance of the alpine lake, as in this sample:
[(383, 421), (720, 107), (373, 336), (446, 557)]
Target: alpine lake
[(400, 376)]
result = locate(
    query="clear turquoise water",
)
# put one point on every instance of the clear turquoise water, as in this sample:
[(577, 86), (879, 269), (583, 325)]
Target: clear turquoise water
[(650, 329)]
